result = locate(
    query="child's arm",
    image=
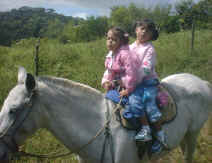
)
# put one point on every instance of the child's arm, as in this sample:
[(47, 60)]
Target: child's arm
[(129, 80), (148, 63), (106, 82)]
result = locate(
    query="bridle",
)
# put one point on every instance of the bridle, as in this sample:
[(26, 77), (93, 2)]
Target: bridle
[(9, 141)]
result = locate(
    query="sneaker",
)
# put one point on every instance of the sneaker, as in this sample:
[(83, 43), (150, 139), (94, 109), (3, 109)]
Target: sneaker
[(157, 147), (144, 135)]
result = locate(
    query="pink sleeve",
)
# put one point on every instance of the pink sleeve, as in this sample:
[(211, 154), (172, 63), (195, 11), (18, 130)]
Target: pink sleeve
[(148, 62), (106, 63), (106, 77), (129, 79)]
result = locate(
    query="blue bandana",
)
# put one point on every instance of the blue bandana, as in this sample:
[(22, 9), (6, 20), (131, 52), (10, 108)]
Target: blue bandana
[(114, 96)]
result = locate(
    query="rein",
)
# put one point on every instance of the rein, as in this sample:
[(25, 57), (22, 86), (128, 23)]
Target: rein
[(14, 146)]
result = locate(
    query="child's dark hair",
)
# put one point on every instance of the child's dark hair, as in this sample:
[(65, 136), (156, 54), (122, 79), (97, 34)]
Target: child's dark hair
[(150, 25), (121, 34)]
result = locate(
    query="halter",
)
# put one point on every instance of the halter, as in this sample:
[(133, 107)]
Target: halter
[(11, 144)]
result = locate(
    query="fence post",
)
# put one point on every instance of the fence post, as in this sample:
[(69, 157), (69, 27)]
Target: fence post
[(192, 36), (36, 58)]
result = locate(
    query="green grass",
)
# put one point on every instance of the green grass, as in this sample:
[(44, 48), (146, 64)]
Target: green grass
[(84, 62)]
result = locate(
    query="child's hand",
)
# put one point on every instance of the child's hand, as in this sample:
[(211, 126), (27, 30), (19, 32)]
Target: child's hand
[(120, 83), (123, 93), (107, 86)]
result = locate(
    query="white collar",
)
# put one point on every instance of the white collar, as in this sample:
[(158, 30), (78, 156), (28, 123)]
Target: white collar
[(110, 54)]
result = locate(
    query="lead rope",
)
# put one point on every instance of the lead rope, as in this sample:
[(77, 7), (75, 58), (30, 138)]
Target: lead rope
[(108, 134)]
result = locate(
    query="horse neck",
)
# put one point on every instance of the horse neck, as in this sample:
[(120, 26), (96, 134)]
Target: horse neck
[(73, 114)]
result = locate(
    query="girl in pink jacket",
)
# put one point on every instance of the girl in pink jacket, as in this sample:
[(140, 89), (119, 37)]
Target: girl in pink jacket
[(148, 88), (119, 63)]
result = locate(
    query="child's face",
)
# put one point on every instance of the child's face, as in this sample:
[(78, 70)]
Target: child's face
[(113, 42), (143, 34)]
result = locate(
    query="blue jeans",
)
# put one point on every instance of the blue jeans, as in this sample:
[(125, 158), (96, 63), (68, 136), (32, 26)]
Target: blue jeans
[(142, 101)]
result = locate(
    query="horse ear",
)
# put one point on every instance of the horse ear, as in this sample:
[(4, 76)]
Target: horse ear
[(26, 78), (22, 74), (30, 82)]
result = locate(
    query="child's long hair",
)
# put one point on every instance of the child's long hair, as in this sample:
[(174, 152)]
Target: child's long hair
[(121, 34), (151, 27)]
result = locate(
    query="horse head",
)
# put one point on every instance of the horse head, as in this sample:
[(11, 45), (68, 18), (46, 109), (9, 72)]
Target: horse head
[(14, 112)]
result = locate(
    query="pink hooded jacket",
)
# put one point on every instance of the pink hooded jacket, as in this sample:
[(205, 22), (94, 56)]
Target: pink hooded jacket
[(121, 66), (146, 60)]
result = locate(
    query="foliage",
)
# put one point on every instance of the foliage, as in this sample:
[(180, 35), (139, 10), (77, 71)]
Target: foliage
[(120, 16), (53, 29), (29, 22), (168, 18), (91, 29), (172, 24), (127, 16), (206, 7), (191, 12)]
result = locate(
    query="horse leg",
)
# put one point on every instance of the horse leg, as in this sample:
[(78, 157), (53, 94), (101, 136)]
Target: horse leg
[(188, 145), (183, 146)]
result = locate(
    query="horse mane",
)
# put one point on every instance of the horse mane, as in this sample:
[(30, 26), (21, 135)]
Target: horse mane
[(63, 83)]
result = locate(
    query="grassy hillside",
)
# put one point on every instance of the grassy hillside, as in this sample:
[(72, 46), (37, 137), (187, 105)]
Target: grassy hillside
[(84, 62)]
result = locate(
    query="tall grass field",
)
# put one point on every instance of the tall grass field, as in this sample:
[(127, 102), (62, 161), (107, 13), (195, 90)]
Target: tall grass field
[(84, 63)]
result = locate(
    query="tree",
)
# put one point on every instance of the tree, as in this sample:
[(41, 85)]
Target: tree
[(171, 24), (189, 12), (205, 17), (28, 22), (87, 30), (54, 28), (161, 16), (127, 16), (120, 16)]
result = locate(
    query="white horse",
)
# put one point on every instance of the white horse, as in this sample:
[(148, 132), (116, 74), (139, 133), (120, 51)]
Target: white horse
[(74, 113)]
